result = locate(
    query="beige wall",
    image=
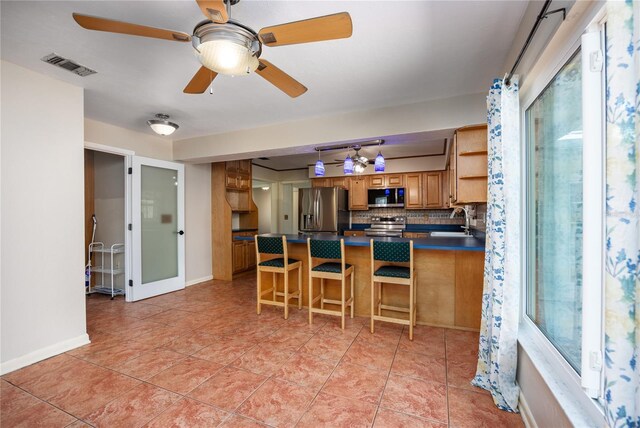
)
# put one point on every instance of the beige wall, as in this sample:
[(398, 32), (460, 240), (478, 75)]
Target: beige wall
[(542, 404), (146, 145), (42, 215), (262, 199), (198, 222), (285, 138)]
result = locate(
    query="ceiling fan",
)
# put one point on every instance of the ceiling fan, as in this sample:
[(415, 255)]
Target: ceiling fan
[(225, 46), (359, 161)]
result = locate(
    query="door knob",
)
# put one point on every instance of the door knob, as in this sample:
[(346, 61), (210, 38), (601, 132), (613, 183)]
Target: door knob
[(180, 232)]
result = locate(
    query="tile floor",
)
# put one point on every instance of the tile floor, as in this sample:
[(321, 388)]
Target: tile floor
[(202, 357)]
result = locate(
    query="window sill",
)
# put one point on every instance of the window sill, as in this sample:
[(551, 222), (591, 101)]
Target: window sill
[(580, 410)]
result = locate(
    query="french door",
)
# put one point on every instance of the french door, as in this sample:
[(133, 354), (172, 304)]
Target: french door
[(157, 227)]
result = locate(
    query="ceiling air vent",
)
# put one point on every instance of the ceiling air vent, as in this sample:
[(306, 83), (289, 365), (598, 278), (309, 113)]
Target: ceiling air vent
[(68, 65)]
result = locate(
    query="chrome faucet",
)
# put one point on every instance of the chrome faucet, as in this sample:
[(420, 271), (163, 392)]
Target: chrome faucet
[(467, 217)]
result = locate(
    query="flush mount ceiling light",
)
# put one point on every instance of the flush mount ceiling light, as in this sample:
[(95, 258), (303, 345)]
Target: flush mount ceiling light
[(225, 46), (161, 124)]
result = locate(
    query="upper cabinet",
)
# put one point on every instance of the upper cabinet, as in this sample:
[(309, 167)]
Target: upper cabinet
[(321, 182), (238, 176), (433, 190), (358, 198), (469, 166), (413, 190), (378, 181), (238, 185)]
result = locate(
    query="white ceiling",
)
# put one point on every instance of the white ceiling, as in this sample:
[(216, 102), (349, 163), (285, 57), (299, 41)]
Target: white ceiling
[(400, 52)]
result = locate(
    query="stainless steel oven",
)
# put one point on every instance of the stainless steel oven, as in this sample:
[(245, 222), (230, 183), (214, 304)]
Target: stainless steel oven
[(386, 226)]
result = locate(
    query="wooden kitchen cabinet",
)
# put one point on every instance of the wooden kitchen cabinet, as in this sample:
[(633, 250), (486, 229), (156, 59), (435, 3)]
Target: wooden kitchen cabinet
[(394, 180), (413, 191), (239, 263), (321, 182), (342, 182), (470, 165), (380, 181), (376, 181), (453, 178), (358, 198), (244, 253), (238, 185), (415, 235), (433, 189), (354, 233)]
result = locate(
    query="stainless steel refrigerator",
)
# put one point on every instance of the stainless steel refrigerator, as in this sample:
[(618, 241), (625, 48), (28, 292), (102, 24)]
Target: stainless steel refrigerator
[(323, 210)]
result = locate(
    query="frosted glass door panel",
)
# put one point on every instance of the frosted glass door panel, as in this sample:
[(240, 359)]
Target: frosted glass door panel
[(159, 213), (157, 220)]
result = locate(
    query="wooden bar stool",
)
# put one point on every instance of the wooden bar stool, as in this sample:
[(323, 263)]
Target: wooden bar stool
[(277, 246), (401, 271), (333, 270)]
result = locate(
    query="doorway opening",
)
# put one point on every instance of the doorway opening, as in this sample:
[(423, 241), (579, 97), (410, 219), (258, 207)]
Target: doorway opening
[(106, 249)]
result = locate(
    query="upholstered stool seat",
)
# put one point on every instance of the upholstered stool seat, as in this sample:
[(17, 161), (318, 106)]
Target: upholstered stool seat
[(401, 272), (276, 246), (332, 250), (279, 262)]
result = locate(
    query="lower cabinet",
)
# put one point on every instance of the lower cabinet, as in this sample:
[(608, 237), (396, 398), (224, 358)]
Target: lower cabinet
[(354, 233), (415, 235), (244, 253)]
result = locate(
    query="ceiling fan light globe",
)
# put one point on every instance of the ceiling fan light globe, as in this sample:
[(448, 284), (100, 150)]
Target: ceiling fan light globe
[(227, 57), (359, 168)]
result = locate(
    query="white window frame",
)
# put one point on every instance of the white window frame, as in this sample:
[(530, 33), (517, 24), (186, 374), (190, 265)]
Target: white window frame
[(562, 379)]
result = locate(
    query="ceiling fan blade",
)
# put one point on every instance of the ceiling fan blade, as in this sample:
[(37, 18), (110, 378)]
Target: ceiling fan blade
[(200, 81), (214, 10), (111, 26), (280, 79), (337, 26)]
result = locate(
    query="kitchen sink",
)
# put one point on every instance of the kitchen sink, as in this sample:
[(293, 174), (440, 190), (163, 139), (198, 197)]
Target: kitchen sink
[(450, 235)]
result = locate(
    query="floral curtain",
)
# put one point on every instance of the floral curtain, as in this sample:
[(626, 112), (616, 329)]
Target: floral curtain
[(622, 329), (497, 353)]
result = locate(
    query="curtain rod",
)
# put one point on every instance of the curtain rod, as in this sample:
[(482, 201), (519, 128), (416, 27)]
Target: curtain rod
[(543, 14)]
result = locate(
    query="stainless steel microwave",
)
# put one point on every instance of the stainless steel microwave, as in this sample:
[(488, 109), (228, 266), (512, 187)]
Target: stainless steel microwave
[(386, 197)]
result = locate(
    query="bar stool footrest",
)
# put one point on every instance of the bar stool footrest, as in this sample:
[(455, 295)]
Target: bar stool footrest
[(395, 308)]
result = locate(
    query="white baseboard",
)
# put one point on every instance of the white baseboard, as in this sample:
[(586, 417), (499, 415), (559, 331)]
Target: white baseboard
[(43, 353), (525, 412), (198, 280)]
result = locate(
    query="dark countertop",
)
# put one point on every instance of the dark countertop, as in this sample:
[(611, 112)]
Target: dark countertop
[(244, 230), (437, 243)]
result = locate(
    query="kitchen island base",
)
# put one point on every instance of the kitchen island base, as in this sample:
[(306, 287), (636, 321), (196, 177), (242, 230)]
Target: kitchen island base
[(449, 287)]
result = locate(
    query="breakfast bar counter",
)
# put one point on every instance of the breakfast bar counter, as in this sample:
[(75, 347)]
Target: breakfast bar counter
[(449, 277)]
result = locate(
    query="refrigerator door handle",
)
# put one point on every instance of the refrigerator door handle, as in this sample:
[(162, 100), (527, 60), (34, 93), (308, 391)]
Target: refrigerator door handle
[(316, 209)]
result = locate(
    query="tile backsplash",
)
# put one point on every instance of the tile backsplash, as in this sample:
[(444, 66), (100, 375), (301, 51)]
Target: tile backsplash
[(413, 216)]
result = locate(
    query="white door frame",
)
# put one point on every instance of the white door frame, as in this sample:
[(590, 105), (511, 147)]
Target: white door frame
[(139, 291)]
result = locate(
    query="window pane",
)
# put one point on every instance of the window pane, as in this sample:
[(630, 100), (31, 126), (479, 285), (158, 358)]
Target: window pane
[(554, 288)]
